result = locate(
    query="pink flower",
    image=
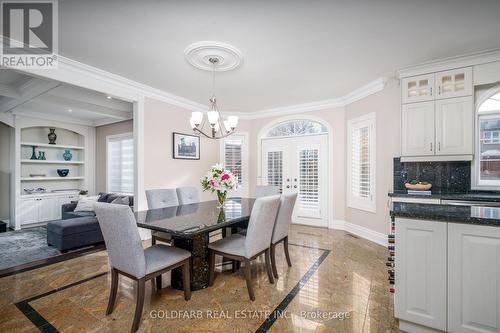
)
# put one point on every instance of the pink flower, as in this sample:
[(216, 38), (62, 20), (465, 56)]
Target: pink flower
[(212, 183), (225, 176)]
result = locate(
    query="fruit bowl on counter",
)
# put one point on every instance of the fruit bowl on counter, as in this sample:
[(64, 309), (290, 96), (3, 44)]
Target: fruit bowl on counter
[(416, 185)]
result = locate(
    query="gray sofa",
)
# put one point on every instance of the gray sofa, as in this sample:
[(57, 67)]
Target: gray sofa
[(78, 229)]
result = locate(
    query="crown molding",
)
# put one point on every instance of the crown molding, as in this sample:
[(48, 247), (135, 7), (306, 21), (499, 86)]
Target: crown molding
[(139, 88), (83, 75), (465, 60), (356, 95)]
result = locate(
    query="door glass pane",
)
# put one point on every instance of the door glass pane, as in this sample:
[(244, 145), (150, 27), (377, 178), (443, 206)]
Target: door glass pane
[(275, 169), (309, 178), (489, 127)]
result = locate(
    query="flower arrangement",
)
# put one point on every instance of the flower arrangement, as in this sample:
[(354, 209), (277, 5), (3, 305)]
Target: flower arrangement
[(219, 180)]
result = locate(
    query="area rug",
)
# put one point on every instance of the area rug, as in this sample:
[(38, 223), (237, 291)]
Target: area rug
[(24, 246)]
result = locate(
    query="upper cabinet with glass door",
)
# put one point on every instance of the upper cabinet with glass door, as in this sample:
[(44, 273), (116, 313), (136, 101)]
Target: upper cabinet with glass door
[(418, 88), (440, 85), (454, 83)]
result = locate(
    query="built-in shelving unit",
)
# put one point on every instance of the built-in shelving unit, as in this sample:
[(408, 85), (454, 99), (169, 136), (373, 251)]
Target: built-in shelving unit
[(44, 171)]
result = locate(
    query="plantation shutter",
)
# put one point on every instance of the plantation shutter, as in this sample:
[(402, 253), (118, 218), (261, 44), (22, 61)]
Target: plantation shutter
[(361, 163), (121, 164), (233, 157)]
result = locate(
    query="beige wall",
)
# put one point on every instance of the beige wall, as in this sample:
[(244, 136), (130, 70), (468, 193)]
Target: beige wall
[(336, 120), (5, 170), (386, 106), (160, 169), (101, 133)]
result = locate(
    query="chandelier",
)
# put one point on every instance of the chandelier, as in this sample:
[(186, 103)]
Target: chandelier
[(217, 127)]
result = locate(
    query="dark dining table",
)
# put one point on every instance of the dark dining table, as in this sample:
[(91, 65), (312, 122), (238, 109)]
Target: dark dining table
[(190, 226)]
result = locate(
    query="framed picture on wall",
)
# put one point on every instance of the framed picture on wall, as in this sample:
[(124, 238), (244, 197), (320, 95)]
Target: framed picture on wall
[(186, 147)]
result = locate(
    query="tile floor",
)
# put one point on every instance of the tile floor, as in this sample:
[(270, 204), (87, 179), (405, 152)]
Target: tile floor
[(338, 283)]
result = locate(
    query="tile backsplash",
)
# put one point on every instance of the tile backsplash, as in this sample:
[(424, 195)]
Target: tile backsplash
[(444, 176)]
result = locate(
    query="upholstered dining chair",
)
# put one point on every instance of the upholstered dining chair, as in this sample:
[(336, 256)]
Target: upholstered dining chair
[(249, 247), (161, 198), (127, 256), (188, 195), (266, 190), (281, 227)]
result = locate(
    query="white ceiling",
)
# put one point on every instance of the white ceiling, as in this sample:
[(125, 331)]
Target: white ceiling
[(294, 51), (21, 94)]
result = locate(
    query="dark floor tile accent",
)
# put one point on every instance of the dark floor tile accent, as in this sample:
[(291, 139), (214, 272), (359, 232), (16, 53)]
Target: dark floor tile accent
[(280, 309), (41, 323), (449, 177), (44, 326)]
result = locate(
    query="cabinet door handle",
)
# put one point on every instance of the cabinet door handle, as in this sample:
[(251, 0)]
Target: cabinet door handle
[(288, 186), (431, 146), (439, 145), (439, 90), (431, 91)]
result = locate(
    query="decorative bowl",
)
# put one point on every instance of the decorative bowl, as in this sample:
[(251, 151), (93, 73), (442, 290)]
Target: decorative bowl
[(418, 187), (35, 190), (62, 172)]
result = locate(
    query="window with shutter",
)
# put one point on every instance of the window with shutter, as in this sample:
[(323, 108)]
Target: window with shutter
[(361, 163), (234, 156), (120, 166)]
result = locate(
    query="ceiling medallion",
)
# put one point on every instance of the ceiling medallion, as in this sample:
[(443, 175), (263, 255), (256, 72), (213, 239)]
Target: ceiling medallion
[(199, 55)]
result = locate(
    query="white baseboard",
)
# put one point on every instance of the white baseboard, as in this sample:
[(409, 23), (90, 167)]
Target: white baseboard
[(371, 235)]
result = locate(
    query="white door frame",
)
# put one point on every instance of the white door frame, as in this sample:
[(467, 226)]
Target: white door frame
[(262, 134)]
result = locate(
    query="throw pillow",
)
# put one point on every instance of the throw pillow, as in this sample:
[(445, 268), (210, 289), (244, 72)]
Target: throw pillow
[(121, 201), (86, 204)]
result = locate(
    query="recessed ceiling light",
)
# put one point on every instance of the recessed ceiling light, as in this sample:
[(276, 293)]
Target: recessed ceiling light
[(109, 97), (70, 110)]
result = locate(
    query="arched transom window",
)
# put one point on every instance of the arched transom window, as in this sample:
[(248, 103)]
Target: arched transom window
[(297, 127)]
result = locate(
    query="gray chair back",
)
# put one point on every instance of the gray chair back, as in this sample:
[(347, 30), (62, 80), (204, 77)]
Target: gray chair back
[(120, 233), (284, 217), (261, 225), (162, 198), (188, 195), (266, 190)]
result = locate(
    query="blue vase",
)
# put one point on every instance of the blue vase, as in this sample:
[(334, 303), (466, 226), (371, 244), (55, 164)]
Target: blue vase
[(67, 155)]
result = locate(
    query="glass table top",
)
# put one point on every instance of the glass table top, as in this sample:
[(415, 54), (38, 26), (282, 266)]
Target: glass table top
[(187, 221)]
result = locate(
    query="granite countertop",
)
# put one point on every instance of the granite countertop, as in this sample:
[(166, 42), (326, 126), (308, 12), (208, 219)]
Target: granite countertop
[(489, 216), (465, 196)]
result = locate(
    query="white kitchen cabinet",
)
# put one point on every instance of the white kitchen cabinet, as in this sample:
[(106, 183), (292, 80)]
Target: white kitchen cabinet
[(421, 272), (418, 88), (473, 278), (454, 126), (454, 83), (417, 133)]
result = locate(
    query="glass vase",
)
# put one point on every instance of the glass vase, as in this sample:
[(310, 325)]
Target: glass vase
[(221, 198)]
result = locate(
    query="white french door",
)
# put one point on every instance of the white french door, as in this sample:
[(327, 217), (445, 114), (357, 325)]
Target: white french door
[(299, 165)]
